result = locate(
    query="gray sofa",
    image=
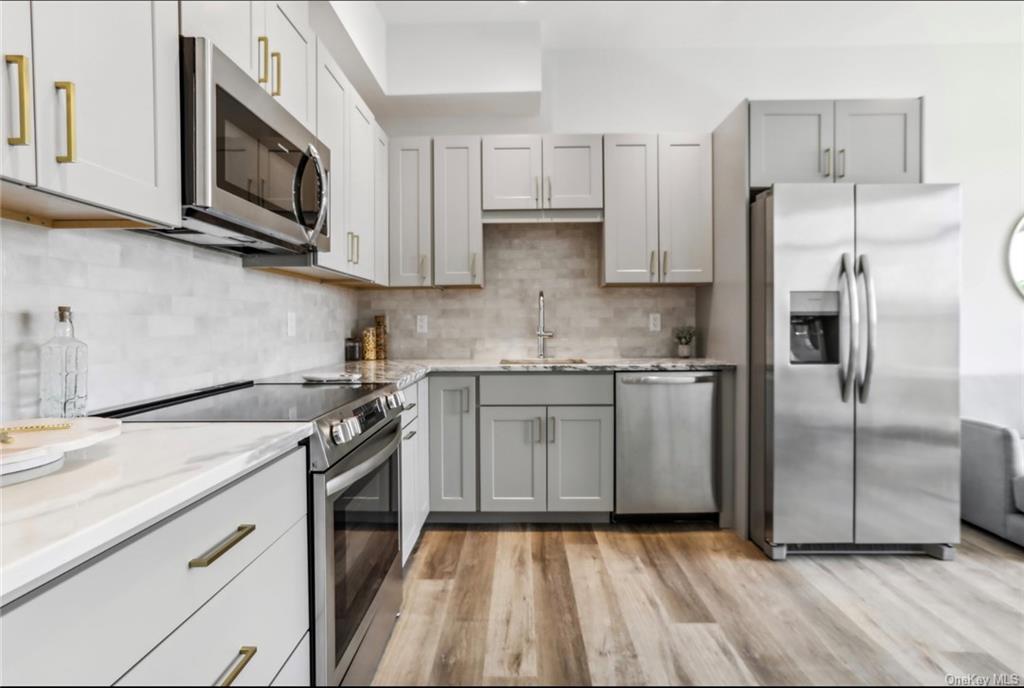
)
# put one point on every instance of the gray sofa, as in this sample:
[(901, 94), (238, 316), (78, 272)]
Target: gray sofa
[(992, 479)]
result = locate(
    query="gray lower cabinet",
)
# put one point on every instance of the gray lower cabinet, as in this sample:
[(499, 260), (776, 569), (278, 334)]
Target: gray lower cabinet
[(581, 458), (546, 458), (513, 458), (452, 439)]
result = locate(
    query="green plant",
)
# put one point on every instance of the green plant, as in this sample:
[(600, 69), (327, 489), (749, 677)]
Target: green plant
[(685, 334)]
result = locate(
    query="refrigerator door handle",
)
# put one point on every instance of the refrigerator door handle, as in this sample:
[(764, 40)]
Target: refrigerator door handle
[(849, 377), (864, 382)]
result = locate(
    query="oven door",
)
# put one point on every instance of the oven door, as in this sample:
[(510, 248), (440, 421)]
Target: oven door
[(356, 558), (249, 164)]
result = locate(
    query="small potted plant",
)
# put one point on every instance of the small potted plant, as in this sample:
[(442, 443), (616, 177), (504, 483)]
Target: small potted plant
[(684, 337)]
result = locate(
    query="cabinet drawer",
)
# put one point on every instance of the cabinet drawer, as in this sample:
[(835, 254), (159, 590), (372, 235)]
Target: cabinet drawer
[(259, 616), (297, 670), (514, 389), (140, 591)]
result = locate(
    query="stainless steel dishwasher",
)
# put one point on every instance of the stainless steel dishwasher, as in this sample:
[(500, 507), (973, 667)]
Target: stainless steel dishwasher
[(665, 458)]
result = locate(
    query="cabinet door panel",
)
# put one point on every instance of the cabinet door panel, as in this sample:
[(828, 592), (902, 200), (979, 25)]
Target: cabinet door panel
[(513, 457), (878, 141), (127, 155), (791, 141), (458, 221), (332, 92), (410, 472), (684, 208), (573, 171), (453, 444), (234, 26), (18, 159), (581, 458), (362, 141), (511, 172), (380, 208), (409, 221), (422, 505), (293, 74), (631, 209)]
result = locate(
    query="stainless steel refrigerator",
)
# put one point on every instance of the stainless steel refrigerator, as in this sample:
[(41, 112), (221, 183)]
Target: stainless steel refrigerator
[(855, 428)]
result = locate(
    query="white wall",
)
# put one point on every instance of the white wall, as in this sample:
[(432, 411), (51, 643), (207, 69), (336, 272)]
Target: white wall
[(368, 32), (434, 58), (973, 135)]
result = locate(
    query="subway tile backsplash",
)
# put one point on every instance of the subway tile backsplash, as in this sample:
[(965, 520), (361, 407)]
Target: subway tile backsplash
[(500, 320), (159, 317)]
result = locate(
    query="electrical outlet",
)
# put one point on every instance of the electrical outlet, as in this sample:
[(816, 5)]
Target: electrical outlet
[(654, 322), (421, 324), (291, 324)]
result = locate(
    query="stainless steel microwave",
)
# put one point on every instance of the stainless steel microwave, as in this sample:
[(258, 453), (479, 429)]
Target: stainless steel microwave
[(254, 179)]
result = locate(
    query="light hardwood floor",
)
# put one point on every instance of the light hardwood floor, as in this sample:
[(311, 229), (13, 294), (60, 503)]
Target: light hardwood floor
[(579, 605)]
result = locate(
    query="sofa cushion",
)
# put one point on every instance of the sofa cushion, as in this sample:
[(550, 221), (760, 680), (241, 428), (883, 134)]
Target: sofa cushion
[(1018, 492)]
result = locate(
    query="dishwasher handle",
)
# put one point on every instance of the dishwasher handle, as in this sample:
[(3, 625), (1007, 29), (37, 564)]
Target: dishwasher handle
[(668, 379)]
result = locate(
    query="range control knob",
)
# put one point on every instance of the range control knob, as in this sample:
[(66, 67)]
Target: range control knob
[(345, 430), (395, 400)]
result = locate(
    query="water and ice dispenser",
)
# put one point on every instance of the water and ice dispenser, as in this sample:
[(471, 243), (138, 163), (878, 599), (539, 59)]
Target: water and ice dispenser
[(813, 327)]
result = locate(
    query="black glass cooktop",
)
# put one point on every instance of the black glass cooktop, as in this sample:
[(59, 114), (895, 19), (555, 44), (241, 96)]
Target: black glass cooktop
[(256, 403)]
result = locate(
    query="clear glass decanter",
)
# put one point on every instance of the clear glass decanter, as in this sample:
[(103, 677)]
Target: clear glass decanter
[(64, 364)]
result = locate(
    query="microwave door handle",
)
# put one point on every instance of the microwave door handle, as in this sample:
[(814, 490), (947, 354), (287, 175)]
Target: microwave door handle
[(322, 184)]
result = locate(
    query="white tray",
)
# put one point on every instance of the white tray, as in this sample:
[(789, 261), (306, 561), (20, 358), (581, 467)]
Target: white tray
[(33, 449), (332, 376)]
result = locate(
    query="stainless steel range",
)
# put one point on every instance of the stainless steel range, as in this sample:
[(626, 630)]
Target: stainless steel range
[(355, 504)]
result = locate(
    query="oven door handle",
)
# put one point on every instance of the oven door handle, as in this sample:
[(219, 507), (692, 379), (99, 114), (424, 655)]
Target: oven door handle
[(351, 477)]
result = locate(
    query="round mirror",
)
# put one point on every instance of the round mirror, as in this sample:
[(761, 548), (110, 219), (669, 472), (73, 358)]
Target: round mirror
[(1016, 256)]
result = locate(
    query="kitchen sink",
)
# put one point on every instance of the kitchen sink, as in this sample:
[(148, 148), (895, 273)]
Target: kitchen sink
[(541, 361)]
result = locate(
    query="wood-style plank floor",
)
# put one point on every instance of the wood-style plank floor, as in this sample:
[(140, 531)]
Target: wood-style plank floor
[(582, 605)]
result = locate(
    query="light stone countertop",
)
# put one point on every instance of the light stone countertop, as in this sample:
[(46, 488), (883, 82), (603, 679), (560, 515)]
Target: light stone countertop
[(404, 372), (104, 494)]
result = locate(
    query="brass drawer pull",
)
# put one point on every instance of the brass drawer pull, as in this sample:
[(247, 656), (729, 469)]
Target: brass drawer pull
[(264, 76), (69, 88), (246, 652), (276, 57), (214, 554), (22, 138)]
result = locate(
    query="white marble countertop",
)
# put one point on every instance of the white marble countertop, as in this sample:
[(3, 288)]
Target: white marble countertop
[(404, 372), (104, 494)]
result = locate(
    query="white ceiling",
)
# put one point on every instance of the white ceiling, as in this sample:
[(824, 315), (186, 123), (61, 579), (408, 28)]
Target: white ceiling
[(643, 24)]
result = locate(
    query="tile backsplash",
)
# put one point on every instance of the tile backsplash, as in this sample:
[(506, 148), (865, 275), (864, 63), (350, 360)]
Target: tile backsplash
[(158, 317), (500, 320)]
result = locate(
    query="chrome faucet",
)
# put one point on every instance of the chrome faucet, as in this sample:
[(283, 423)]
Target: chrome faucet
[(542, 335)]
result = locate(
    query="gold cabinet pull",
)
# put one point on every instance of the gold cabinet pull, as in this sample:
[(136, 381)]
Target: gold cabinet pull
[(264, 74), (276, 57), (69, 88), (664, 265), (22, 138), (214, 554), (245, 655)]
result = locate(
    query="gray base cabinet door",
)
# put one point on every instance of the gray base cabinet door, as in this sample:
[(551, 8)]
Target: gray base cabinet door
[(513, 458), (581, 455), (453, 444)]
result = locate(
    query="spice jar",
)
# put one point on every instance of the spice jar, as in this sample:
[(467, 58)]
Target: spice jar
[(370, 344)]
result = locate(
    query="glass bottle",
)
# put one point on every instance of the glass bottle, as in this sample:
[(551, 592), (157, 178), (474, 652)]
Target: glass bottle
[(64, 365)]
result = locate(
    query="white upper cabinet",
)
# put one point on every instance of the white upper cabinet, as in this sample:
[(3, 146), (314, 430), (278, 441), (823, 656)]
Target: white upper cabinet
[(511, 172), (332, 91), (107, 120), (458, 220), (631, 209), (791, 141), (237, 27), (552, 171), (380, 208), (684, 208), (17, 148), (878, 141), (410, 219), (572, 171), (292, 59), (827, 141), (362, 143)]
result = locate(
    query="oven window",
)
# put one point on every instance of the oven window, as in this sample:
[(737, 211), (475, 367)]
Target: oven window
[(365, 545), (257, 164)]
